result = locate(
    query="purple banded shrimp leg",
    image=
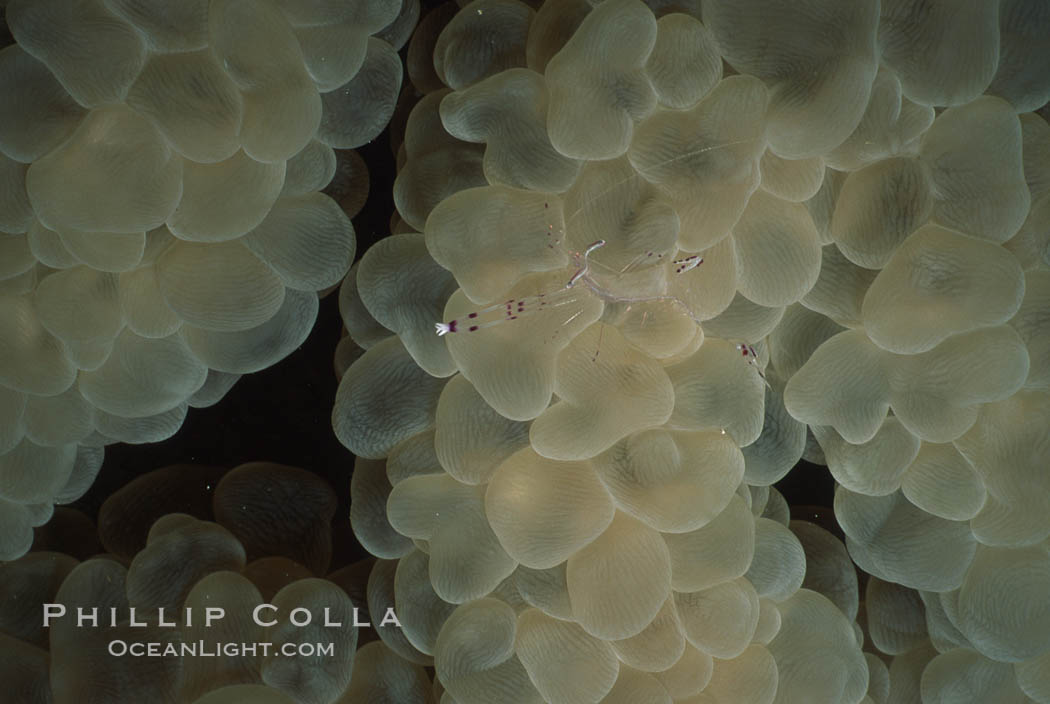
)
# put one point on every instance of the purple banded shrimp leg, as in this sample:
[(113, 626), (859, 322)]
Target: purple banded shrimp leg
[(748, 352), (515, 308), (511, 309)]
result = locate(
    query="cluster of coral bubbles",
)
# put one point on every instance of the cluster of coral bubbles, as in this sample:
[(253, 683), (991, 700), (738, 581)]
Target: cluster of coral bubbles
[(570, 498)]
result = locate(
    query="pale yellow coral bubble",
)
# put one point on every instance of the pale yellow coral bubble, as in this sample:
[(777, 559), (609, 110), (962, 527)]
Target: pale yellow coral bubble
[(979, 186), (606, 391), (436, 164), (380, 597), (875, 467), (113, 49), (333, 52), (492, 236), (842, 384), (200, 548), (895, 541), (218, 286), (361, 327), (56, 420), (412, 457), (768, 621), (895, 617), (308, 241), (544, 510), (717, 390), (707, 158), (225, 200), (597, 82), (545, 589), (656, 647), (140, 429), (1009, 451), (355, 112), (749, 678), (636, 687), (16, 257), (720, 620), (685, 62), (778, 253), (948, 283), (1033, 325), (38, 113), (508, 113), (475, 656), (553, 26), (817, 655), (16, 213), (985, 680), (405, 291), (829, 570), (31, 473), (369, 489), (145, 311), (793, 180), (364, 419), (471, 439), (143, 376), (465, 51), (237, 596), (673, 481), (891, 125), (936, 395), (840, 288), (780, 446), (169, 27), (779, 563), (717, 552), (613, 609), (744, 320), (689, 675), (818, 59), (1033, 677), (246, 351), (381, 676), (1021, 78), (1014, 625), (923, 43), (105, 251), (115, 174), (906, 673), (611, 201), (567, 665), (80, 305), (878, 207), (514, 364), (466, 558), (196, 106), (941, 481), (420, 609), (314, 167)]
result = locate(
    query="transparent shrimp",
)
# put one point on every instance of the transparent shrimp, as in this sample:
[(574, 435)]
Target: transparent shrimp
[(600, 279), (515, 308)]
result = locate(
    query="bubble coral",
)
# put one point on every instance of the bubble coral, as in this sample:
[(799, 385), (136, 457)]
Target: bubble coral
[(162, 229), (871, 216)]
